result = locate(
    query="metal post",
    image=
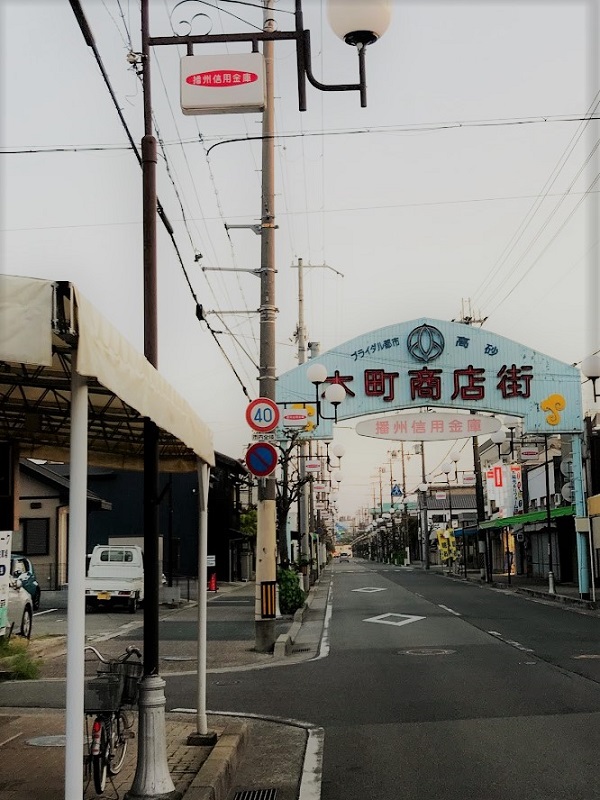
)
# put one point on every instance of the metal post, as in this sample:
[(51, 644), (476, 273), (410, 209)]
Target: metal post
[(486, 571), (425, 516), (202, 735), (551, 587), (152, 778), (76, 604), (303, 500), (266, 538)]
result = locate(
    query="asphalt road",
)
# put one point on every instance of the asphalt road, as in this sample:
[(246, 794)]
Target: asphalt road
[(482, 694), (432, 688)]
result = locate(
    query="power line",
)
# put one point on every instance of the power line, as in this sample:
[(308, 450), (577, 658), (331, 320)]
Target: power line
[(89, 40), (385, 129)]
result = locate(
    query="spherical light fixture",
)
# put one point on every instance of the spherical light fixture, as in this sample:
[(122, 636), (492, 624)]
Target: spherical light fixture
[(316, 373), (590, 367), (359, 22), (498, 437), (335, 393), (338, 450)]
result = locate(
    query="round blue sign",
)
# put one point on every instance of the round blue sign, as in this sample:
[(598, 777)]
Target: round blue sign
[(261, 459)]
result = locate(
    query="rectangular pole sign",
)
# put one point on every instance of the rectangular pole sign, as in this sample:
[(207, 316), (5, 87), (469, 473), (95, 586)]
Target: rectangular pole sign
[(222, 84)]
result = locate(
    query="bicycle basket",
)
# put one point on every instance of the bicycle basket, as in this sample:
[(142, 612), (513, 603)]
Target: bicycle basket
[(130, 673), (103, 693)]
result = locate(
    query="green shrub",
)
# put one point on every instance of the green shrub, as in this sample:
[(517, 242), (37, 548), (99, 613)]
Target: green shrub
[(16, 660), (291, 596)]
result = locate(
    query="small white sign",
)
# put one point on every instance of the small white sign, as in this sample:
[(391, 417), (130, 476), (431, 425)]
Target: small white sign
[(294, 417), (320, 487), (211, 561), (265, 437), (312, 466), (222, 84), (440, 495), (529, 452)]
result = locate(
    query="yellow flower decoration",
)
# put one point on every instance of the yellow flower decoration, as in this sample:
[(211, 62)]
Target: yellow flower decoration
[(553, 404)]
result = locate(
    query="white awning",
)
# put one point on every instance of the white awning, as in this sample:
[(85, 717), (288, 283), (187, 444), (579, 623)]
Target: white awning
[(41, 324)]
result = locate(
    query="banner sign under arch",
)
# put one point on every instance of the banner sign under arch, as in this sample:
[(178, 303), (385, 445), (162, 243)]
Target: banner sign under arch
[(438, 364)]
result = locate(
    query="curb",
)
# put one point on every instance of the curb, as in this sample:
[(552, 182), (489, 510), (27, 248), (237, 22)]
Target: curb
[(216, 775), (285, 641)]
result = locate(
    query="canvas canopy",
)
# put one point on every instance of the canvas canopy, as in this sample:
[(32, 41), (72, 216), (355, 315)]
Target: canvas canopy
[(43, 325)]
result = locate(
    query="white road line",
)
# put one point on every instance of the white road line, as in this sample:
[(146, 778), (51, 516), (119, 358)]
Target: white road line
[(511, 642), (48, 611), (324, 648), (6, 741), (449, 610)]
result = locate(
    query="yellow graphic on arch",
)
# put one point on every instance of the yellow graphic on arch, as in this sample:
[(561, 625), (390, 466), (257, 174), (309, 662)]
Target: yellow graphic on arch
[(553, 404), (311, 424)]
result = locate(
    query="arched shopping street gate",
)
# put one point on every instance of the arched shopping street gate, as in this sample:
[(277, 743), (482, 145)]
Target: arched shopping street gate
[(437, 364)]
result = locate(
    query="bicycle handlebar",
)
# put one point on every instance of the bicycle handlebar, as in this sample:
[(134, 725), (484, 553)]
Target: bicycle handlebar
[(131, 650)]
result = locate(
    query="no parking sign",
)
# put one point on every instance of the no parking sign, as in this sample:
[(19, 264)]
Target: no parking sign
[(261, 459)]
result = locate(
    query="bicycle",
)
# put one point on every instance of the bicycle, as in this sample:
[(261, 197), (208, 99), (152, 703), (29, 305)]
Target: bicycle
[(116, 686)]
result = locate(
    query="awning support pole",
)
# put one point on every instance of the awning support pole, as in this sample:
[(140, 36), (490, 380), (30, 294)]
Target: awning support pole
[(76, 579)]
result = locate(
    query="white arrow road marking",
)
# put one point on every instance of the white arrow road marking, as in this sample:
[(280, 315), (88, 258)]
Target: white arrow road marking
[(369, 589), (394, 619)]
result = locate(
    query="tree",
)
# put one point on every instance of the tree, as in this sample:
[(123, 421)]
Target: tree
[(289, 487)]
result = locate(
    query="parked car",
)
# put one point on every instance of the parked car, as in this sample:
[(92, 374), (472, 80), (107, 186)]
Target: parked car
[(20, 608), (345, 557), (22, 568)]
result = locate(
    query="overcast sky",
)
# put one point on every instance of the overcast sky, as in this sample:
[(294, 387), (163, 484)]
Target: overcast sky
[(464, 178)]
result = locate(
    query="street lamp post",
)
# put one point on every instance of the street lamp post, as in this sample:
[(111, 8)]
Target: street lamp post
[(447, 469), (551, 585)]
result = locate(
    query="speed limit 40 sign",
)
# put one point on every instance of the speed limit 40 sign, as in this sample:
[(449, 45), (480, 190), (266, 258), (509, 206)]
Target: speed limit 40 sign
[(262, 415)]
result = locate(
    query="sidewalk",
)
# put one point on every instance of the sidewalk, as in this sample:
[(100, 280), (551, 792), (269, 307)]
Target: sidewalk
[(565, 593), (32, 739)]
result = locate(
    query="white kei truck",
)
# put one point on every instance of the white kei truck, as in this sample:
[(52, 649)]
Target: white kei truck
[(115, 577)]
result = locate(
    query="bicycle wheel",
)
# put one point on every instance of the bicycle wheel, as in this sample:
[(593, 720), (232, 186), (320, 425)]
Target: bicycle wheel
[(100, 763), (119, 735)]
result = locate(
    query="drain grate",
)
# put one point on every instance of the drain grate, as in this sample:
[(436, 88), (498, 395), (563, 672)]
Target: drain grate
[(255, 794), (300, 650)]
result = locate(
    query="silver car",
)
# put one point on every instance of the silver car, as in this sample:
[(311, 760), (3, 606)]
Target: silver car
[(20, 608)]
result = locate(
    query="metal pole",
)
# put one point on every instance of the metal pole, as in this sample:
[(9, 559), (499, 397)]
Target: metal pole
[(425, 516), (551, 587), (266, 539), (303, 500), (480, 503), (152, 778), (76, 576), (202, 736)]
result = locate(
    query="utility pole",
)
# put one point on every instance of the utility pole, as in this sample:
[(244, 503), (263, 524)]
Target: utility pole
[(305, 492), (266, 538), (304, 499)]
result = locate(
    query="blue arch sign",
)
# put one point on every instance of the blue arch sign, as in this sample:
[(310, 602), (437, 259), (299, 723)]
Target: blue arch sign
[(433, 363)]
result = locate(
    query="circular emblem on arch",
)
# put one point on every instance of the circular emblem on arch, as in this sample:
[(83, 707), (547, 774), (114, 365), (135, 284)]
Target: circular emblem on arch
[(425, 343)]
